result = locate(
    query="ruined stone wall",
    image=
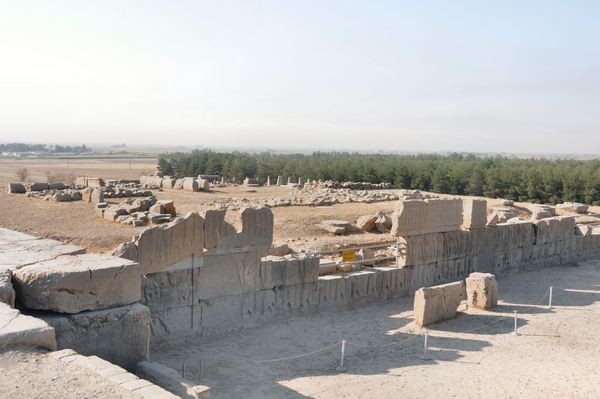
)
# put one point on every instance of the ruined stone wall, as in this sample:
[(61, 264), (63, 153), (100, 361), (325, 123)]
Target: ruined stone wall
[(205, 277)]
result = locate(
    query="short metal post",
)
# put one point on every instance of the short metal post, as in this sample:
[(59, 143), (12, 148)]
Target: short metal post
[(550, 299), (515, 331), (426, 346), (341, 368)]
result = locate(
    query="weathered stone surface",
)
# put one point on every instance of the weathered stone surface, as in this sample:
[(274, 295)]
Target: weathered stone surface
[(38, 186), (97, 196), (19, 330), (277, 271), (482, 291), (71, 284), (7, 292), (168, 182), (215, 228), (190, 184), (203, 184), (160, 247), (438, 303), (334, 290), (474, 213), (256, 229), (28, 250), (171, 380), (164, 207), (280, 249), (572, 207), (416, 217), (119, 335), (16, 188), (366, 222), (383, 223), (337, 226)]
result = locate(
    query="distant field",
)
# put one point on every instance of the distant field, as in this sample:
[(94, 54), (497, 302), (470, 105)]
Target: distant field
[(127, 167)]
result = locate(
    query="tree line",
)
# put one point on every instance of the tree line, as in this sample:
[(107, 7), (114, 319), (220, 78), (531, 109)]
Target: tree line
[(533, 180), (43, 148)]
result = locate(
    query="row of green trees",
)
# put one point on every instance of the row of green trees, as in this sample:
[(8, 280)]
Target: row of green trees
[(43, 148), (534, 180)]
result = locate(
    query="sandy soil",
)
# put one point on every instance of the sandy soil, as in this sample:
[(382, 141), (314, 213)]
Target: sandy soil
[(557, 353), (34, 375), (76, 223)]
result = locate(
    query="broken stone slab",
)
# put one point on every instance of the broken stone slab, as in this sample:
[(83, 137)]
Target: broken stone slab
[(19, 330), (203, 184), (7, 292), (16, 188), (280, 249), (164, 207), (162, 246), (366, 222), (572, 207), (72, 284), (119, 335), (97, 196), (337, 226), (383, 223), (482, 291), (437, 303)]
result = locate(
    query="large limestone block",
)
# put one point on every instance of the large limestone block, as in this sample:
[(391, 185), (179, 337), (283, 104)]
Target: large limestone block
[(71, 284), (119, 335), (19, 250), (190, 184), (392, 281), (19, 330), (482, 291), (16, 188), (8, 236), (414, 217), (7, 292), (438, 303), (474, 213), (256, 229), (161, 247), (363, 286), (168, 289), (299, 297), (277, 271), (215, 227)]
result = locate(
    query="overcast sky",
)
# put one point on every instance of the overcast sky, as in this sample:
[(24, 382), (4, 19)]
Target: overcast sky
[(504, 76)]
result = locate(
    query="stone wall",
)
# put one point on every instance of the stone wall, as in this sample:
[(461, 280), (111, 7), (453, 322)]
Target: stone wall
[(204, 276)]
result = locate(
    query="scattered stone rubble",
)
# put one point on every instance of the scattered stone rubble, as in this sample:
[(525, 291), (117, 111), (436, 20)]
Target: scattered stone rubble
[(572, 207), (138, 212), (379, 222)]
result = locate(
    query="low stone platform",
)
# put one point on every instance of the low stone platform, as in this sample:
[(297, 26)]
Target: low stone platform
[(18, 330)]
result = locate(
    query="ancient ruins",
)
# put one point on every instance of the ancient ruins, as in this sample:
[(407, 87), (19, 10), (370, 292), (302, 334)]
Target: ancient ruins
[(200, 276)]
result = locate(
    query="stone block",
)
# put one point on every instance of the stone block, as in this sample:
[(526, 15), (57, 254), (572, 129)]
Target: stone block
[(334, 291), (18, 330), (38, 186), (7, 292), (119, 335), (256, 229), (414, 217), (71, 284), (215, 228), (190, 184), (392, 281), (299, 297), (171, 380), (437, 303), (474, 213), (276, 271), (482, 291), (161, 247), (16, 188), (421, 249), (363, 286), (28, 250)]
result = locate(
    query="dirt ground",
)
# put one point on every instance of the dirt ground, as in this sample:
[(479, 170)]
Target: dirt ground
[(76, 223), (556, 354), (30, 374)]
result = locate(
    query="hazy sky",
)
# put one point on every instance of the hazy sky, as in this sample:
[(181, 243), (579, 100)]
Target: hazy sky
[(391, 75)]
